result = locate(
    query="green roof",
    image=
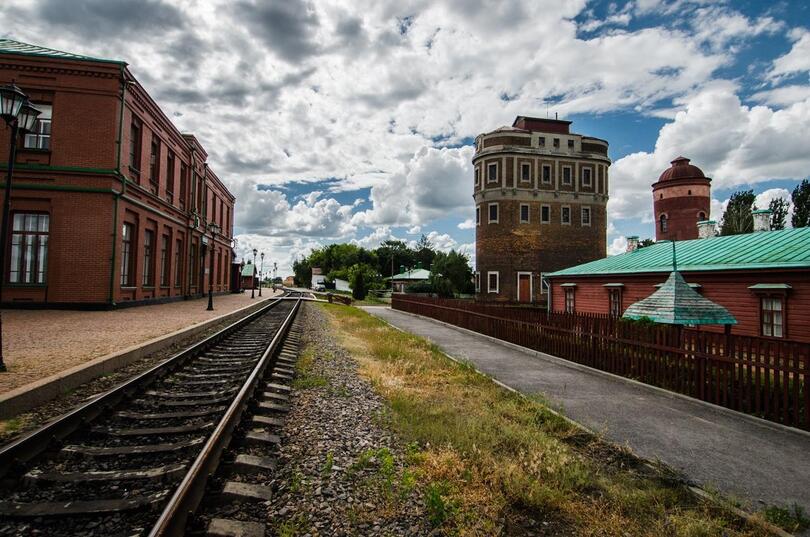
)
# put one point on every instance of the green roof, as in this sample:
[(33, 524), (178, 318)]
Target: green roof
[(247, 270), (415, 274), (786, 248), (9, 46), (677, 303)]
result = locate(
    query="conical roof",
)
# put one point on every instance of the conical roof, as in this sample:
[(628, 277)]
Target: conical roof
[(677, 303)]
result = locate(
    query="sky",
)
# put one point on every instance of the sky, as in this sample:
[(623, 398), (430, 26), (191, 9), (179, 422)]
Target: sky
[(352, 120)]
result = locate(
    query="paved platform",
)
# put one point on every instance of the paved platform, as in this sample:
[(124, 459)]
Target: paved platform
[(744, 458), (41, 343)]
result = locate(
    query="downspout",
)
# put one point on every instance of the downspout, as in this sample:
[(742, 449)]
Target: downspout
[(193, 188), (117, 195)]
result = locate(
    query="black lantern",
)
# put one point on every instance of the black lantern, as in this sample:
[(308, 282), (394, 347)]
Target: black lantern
[(27, 118), (11, 100)]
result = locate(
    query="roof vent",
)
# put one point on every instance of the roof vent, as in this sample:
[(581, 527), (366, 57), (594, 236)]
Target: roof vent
[(762, 220), (632, 244), (707, 229)]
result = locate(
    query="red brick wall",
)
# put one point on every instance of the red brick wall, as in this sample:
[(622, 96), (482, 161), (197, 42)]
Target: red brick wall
[(729, 289)]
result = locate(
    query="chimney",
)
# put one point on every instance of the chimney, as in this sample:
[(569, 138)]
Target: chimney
[(762, 220), (632, 244), (707, 229)]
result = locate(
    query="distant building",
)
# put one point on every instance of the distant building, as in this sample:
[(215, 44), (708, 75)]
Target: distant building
[(250, 279), (681, 199), (318, 278), (342, 285), (762, 278), (110, 203), (289, 281), (540, 196), (400, 282)]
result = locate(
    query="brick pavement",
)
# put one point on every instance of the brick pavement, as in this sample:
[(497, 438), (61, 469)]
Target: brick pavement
[(40, 343)]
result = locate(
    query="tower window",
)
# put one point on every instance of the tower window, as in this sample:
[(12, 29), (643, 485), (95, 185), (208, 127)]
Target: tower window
[(586, 216), (586, 177), (542, 141), (570, 144), (492, 173), (545, 214), (556, 143), (565, 215), (547, 174), (566, 175), (701, 216), (662, 222), (524, 213), (493, 213), (525, 172), (689, 192)]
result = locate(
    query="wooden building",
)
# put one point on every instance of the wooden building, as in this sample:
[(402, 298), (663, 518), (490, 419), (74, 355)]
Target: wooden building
[(762, 278)]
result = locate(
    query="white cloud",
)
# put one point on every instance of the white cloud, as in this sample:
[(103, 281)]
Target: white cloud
[(617, 246), (798, 59), (469, 223)]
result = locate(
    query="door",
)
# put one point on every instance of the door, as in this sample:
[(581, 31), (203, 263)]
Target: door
[(524, 287)]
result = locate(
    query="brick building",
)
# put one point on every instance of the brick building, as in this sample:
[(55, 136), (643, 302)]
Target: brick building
[(540, 204), (681, 199), (110, 202)]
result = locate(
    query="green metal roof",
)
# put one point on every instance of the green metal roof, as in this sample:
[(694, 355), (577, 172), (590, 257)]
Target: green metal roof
[(677, 303), (247, 270), (786, 248), (415, 274), (9, 46)]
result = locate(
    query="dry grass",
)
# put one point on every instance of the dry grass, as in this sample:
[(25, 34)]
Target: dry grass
[(494, 463)]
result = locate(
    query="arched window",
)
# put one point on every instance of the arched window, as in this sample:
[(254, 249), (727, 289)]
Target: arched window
[(663, 223), (701, 216)]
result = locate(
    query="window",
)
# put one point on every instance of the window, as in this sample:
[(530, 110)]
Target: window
[(40, 137), (493, 213), (662, 222), (542, 141), (771, 316), (478, 216), (615, 302), (178, 266), (565, 215), (587, 180), (219, 268), (525, 172), (193, 265), (586, 216), (183, 184), (701, 216), (170, 177), (556, 143), (524, 213), (492, 173), (571, 144), (29, 248), (545, 214), (135, 147), (477, 175), (127, 259), (566, 175), (569, 300), (154, 164), (164, 261), (148, 257), (477, 282), (492, 282), (547, 174)]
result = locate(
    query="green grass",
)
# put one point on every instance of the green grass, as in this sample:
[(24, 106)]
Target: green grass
[(305, 377), (792, 519), (487, 459)]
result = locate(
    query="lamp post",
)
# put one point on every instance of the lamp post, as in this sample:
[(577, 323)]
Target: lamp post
[(253, 277), (261, 273), (213, 229), (20, 115)]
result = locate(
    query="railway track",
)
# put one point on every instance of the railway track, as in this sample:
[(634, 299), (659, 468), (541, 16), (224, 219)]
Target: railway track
[(136, 460)]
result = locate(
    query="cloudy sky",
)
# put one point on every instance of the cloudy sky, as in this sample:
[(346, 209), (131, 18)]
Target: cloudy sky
[(351, 120)]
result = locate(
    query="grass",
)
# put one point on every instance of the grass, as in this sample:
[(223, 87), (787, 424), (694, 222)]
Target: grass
[(305, 376), (792, 519), (492, 462)]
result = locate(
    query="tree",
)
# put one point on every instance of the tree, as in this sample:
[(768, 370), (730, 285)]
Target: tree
[(451, 274), (424, 252), (393, 254), (362, 278), (737, 219), (801, 204), (302, 272), (779, 211), (645, 243)]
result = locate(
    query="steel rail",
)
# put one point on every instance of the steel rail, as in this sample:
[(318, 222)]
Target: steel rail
[(189, 493), (34, 443)]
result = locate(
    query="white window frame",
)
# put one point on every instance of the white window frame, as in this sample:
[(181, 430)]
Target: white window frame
[(543, 174), (490, 165), (562, 212), (541, 214), (497, 281), (477, 176), (582, 214), (541, 141), (570, 175), (531, 284), (477, 281), (566, 291), (589, 177), (489, 213), (40, 137), (478, 215), (528, 213), (524, 165)]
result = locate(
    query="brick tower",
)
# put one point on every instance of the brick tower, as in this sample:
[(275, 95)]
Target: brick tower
[(681, 199), (540, 202)]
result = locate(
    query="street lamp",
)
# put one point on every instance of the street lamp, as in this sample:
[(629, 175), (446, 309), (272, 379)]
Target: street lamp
[(20, 115), (261, 274), (213, 229), (253, 277)]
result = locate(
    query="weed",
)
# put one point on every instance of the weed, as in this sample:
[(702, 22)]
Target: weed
[(296, 482), (792, 519), (439, 508), (293, 527), (327, 466)]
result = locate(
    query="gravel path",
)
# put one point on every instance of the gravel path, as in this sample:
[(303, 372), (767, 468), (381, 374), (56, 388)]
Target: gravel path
[(40, 343), (341, 472)]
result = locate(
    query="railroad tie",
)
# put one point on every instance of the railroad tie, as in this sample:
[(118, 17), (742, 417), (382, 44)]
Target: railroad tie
[(262, 438), (226, 527), (264, 421), (236, 490), (251, 463)]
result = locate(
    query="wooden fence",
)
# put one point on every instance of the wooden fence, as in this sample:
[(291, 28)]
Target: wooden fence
[(760, 376)]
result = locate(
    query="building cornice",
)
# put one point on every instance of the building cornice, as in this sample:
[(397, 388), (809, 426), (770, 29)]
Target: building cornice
[(533, 152), (551, 196)]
